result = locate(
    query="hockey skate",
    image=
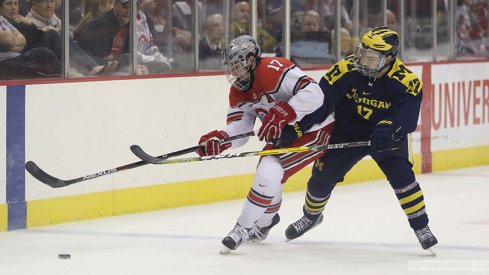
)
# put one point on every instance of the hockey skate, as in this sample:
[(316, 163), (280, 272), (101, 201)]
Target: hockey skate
[(234, 239), (301, 226), (258, 234), (426, 238)]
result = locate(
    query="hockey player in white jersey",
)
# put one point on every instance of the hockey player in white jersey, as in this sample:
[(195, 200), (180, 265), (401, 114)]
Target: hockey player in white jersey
[(287, 102)]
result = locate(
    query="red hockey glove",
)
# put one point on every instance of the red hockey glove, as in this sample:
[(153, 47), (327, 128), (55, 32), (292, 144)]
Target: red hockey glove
[(274, 122), (211, 145)]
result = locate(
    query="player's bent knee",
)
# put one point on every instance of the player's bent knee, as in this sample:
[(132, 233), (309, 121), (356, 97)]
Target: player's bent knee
[(271, 168), (269, 174)]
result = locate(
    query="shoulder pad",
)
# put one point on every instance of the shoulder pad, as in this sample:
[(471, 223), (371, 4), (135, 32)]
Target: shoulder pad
[(237, 98), (339, 69), (406, 77)]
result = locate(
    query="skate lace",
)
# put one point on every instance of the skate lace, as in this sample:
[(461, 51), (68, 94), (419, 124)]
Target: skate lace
[(424, 233), (302, 224), (239, 233), (256, 231)]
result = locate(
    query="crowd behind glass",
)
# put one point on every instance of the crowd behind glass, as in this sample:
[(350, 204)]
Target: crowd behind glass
[(138, 37)]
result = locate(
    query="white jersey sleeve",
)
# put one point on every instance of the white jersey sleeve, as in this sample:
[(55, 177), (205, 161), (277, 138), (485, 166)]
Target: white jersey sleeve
[(307, 100), (239, 121)]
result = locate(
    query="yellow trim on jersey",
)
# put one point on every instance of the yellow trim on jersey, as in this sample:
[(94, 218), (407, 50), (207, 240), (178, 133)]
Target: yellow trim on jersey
[(411, 197), (410, 80), (413, 209), (339, 69)]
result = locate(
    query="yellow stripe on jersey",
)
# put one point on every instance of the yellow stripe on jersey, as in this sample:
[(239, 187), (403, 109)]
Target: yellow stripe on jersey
[(400, 72), (413, 209), (411, 197), (339, 69)]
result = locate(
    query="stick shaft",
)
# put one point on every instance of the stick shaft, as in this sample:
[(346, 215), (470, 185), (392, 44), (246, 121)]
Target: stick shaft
[(270, 152), (54, 182)]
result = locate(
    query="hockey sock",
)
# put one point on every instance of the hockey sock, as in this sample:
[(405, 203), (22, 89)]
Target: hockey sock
[(266, 218), (407, 189), (313, 206), (266, 184), (412, 202)]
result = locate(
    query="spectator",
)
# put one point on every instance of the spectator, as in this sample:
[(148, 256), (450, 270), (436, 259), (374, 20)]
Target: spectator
[(391, 20), (241, 26), (14, 63), (106, 38), (147, 52), (328, 7), (472, 28), (93, 9), (42, 14), (43, 17), (210, 45), (310, 21), (46, 37), (346, 45)]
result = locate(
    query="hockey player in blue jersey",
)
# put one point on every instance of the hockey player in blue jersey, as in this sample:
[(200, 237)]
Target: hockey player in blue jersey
[(375, 97)]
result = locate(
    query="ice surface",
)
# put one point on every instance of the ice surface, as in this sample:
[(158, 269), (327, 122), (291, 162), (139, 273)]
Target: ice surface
[(364, 232)]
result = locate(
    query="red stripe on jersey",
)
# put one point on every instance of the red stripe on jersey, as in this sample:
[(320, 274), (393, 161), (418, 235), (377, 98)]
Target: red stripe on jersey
[(234, 117), (303, 82)]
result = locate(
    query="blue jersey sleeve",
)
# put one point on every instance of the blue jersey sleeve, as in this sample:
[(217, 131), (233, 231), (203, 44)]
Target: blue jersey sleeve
[(334, 85), (409, 95)]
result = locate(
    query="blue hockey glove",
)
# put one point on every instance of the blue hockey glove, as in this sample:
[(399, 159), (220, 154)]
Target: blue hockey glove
[(289, 135), (383, 136)]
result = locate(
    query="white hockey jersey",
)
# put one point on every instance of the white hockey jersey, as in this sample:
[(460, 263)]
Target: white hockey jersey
[(276, 79)]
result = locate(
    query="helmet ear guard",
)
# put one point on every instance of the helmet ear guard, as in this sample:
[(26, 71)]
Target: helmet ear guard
[(234, 57), (379, 41)]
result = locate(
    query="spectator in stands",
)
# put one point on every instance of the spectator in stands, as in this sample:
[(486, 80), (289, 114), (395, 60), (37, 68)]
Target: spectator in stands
[(310, 21), (241, 26), (92, 10), (391, 20), (42, 14), (210, 45), (107, 38), (42, 35), (346, 44), (472, 28), (148, 53), (328, 8), (174, 40), (14, 63), (45, 37)]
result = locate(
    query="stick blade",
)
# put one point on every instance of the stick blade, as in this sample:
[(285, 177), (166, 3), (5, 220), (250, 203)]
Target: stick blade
[(42, 176), (139, 152)]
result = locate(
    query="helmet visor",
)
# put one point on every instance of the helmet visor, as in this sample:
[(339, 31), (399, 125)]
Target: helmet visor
[(237, 73), (369, 62)]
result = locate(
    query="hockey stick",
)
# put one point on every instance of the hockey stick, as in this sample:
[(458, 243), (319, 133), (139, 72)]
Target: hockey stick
[(54, 182), (270, 152), (140, 153)]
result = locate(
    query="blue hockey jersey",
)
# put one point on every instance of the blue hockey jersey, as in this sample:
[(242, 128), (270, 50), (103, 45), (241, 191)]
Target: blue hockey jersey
[(360, 102)]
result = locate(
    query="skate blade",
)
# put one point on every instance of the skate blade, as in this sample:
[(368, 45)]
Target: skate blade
[(432, 251), (224, 250)]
